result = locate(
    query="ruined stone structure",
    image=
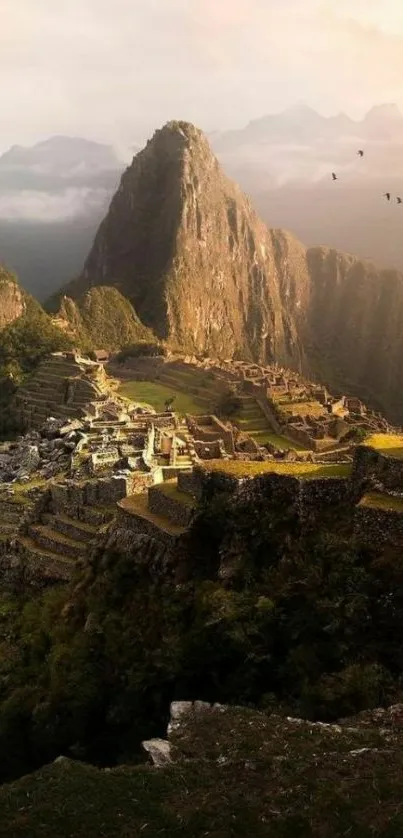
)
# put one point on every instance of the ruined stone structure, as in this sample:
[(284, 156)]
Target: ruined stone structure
[(62, 387)]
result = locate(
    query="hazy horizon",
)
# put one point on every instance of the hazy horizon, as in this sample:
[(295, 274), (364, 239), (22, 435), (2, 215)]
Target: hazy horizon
[(115, 72)]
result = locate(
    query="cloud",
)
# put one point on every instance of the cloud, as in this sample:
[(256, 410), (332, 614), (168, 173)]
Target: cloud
[(115, 70)]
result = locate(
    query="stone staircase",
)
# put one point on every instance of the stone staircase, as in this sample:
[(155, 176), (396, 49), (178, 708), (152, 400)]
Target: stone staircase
[(67, 531), (251, 418)]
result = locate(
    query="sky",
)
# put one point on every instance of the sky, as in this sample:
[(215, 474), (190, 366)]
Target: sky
[(114, 70)]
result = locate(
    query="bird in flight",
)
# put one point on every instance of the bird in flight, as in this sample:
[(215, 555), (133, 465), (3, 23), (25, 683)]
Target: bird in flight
[(334, 176), (360, 152), (399, 200), (387, 196)]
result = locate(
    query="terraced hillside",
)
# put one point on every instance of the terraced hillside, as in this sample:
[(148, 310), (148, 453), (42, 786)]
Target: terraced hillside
[(62, 387)]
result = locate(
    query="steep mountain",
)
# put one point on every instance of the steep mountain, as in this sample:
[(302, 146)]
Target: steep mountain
[(12, 299), (184, 245)]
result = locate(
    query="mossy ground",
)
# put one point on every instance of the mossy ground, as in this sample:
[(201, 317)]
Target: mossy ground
[(253, 469), (236, 774), (376, 500), (155, 394), (391, 445)]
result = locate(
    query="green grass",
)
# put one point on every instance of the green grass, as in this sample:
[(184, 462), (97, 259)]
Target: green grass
[(155, 394), (307, 471), (376, 500), (280, 442), (391, 445)]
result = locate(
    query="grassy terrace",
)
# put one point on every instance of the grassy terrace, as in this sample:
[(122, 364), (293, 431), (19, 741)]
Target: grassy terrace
[(138, 505), (279, 441), (307, 471), (302, 408), (155, 394), (391, 445), (376, 500)]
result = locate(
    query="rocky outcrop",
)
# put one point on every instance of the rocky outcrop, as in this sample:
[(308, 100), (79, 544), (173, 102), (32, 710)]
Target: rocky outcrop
[(184, 245), (12, 299)]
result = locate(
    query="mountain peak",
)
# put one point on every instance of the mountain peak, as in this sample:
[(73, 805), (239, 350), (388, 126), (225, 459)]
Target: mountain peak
[(387, 111), (302, 110)]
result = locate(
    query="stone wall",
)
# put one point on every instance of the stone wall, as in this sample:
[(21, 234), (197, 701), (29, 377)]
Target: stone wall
[(209, 429), (378, 527), (189, 483), (369, 463), (163, 504), (70, 497), (142, 526), (208, 450), (321, 494)]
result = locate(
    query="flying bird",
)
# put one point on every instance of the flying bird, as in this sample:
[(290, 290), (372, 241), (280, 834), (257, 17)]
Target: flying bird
[(399, 200), (360, 152), (387, 196), (334, 176)]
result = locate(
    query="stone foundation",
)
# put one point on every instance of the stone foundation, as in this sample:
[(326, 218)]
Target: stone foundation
[(169, 507)]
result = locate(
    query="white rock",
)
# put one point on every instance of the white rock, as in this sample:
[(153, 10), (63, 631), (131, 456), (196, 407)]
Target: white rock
[(159, 750)]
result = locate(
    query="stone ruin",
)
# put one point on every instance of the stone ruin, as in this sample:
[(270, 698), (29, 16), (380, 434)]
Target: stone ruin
[(62, 387), (91, 459)]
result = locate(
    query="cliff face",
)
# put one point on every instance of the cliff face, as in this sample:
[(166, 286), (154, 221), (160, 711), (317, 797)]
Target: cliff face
[(184, 245), (12, 299)]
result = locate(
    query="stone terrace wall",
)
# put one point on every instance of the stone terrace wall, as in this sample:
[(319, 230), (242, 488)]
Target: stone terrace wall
[(140, 526), (162, 504), (371, 463), (311, 498), (378, 527), (321, 494)]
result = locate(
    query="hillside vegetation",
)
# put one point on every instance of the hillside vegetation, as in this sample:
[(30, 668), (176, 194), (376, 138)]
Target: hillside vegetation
[(235, 774), (103, 318), (306, 624)]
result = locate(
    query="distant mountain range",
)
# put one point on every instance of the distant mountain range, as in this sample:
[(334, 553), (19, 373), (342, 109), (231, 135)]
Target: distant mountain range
[(54, 194)]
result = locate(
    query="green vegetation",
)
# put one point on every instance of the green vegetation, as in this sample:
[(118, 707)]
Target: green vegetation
[(23, 345), (376, 500), (155, 394), (303, 621), (239, 468), (391, 445), (280, 442), (103, 318), (280, 779), (26, 341)]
